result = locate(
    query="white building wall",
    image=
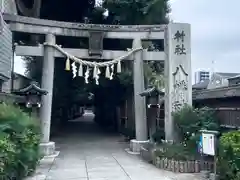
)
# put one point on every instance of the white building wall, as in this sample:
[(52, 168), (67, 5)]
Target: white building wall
[(6, 55), (8, 6)]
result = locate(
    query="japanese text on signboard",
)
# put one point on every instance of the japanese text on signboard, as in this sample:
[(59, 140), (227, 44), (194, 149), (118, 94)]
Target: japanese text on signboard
[(180, 49), (179, 95)]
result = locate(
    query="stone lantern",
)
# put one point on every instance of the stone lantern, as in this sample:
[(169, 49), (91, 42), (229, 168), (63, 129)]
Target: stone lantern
[(152, 99), (32, 94)]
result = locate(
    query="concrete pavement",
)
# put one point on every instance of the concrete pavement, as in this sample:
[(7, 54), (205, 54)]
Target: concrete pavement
[(88, 153)]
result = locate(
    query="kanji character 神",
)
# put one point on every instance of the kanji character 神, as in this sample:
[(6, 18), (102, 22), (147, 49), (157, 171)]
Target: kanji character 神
[(179, 36)]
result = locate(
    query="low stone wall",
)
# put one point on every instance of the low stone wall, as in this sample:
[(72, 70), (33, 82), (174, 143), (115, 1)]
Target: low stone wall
[(180, 166)]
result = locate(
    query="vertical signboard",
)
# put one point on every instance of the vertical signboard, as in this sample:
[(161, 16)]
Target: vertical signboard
[(177, 72), (208, 144)]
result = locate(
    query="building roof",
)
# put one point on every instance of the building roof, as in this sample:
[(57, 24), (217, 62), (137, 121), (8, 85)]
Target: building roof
[(33, 88), (227, 75), (201, 85), (222, 92), (234, 77), (204, 84)]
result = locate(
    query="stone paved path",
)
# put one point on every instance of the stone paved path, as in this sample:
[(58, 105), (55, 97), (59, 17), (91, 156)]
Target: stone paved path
[(86, 153)]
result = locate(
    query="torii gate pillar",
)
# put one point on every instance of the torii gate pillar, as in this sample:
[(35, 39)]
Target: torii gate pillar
[(139, 101), (47, 147)]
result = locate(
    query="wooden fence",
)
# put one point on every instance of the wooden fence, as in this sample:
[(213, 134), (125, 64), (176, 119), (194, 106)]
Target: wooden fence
[(228, 117)]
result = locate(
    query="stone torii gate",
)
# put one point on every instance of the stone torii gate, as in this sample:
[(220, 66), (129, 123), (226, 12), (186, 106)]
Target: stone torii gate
[(176, 57)]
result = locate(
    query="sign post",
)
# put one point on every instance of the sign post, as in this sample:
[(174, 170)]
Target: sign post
[(208, 146)]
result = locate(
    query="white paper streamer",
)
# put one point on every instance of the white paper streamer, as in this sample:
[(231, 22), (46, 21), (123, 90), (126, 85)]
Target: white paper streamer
[(97, 76), (86, 75), (112, 72), (119, 68), (80, 70), (96, 65), (74, 69), (107, 72)]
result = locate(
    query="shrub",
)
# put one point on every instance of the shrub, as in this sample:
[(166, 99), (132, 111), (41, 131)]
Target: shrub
[(128, 133), (7, 156), (19, 142), (178, 152), (229, 156), (186, 121), (189, 121), (207, 119), (159, 135)]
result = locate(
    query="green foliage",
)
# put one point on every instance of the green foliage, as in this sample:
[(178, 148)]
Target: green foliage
[(7, 156), (128, 133), (19, 142), (189, 121), (153, 72), (207, 119), (138, 12), (33, 67), (125, 78), (159, 135), (176, 151), (186, 121), (229, 156)]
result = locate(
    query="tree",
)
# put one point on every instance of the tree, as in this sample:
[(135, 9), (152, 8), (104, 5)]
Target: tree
[(137, 12)]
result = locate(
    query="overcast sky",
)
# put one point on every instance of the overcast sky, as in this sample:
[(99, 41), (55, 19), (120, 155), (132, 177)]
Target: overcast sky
[(215, 33)]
